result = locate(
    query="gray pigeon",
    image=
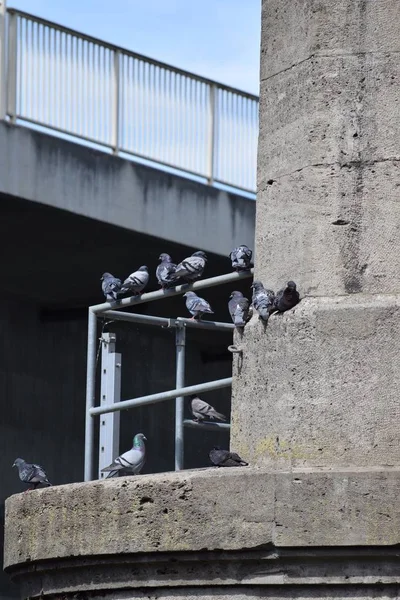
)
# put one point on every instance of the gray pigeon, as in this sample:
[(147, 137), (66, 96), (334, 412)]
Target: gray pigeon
[(31, 473), (197, 306), (131, 462), (192, 267), (136, 282), (287, 298), (202, 411), (241, 258), (224, 458), (110, 286), (165, 271), (238, 309), (263, 300)]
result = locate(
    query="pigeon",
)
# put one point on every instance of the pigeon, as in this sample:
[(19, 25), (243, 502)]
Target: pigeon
[(238, 307), (136, 282), (241, 258), (31, 473), (204, 412), (131, 462), (191, 268), (224, 458), (110, 286), (287, 298), (263, 300), (197, 306), (165, 271)]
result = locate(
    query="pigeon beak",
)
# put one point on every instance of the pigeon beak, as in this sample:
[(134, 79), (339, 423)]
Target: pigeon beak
[(14, 465)]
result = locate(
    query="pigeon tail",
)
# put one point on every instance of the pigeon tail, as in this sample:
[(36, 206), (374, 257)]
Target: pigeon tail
[(264, 313)]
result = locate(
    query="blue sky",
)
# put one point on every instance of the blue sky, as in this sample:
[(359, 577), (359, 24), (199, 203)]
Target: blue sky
[(218, 39)]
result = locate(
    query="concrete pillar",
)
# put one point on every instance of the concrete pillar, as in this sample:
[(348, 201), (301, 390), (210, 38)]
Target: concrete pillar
[(319, 387)]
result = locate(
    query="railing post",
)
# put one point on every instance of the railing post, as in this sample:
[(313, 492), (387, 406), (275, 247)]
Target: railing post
[(212, 137), (3, 65), (12, 68), (90, 395), (115, 101), (180, 342), (110, 393)]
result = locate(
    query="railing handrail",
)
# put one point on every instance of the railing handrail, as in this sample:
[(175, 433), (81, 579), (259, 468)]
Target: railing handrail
[(131, 53)]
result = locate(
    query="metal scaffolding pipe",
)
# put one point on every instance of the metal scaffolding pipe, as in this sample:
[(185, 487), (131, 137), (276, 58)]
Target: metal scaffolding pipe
[(180, 289), (118, 315), (207, 426), (90, 396), (180, 342), (162, 396)]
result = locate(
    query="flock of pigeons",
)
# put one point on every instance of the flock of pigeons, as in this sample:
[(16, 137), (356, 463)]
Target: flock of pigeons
[(168, 274)]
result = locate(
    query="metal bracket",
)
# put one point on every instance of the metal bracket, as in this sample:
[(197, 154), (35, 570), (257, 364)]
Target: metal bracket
[(110, 393)]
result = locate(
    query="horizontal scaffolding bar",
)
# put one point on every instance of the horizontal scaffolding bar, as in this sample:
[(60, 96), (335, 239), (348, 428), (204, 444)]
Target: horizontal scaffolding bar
[(179, 289), (119, 315), (160, 397), (207, 426)]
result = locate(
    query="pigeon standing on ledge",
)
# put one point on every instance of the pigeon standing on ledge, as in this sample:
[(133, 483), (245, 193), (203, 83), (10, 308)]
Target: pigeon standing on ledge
[(263, 300), (241, 258), (287, 298), (202, 411), (224, 458), (136, 282), (165, 271), (131, 462), (31, 474), (111, 286), (191, 268), (197, 306), (238, 307)]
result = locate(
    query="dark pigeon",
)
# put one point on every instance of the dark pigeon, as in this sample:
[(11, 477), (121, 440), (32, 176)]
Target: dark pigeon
[(31, 474), (202, 411), (238, 307), (110, 286), (136, 282), (131, 462), (263, 300), (241, 258), (197, 306), (192, 267), (287, 298), (165, 271), (224, 458)]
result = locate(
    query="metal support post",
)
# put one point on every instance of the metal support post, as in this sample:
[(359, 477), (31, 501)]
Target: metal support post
[(110, 393), (212, 132), (3, 65), (180, 342), (115, 101), (11, 88), (90, 395)]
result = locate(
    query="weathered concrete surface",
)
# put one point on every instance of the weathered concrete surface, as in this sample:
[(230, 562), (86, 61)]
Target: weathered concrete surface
[(319, 386), (193, 529), (59, 173)]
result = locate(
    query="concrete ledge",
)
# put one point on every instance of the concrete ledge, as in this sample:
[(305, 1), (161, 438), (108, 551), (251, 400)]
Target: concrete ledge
[(205, 510)]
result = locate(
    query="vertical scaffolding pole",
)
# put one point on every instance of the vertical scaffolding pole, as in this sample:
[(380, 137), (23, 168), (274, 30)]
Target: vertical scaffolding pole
[(110, 393), (180, 342), (90, 395)]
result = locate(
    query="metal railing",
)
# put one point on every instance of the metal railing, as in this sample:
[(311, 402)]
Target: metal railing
[(110, 402), (78, 85)]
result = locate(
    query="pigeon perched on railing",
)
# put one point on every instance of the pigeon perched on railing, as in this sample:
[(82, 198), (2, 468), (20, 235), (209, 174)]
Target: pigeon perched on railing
[(197, 306), (131, 462), (136, 282), (224, 458), (287, 298), (238, 307), (111, 286), (263, 300), (202, 411), (31, 474), (192, 267), (165, 271), (241, 258)]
